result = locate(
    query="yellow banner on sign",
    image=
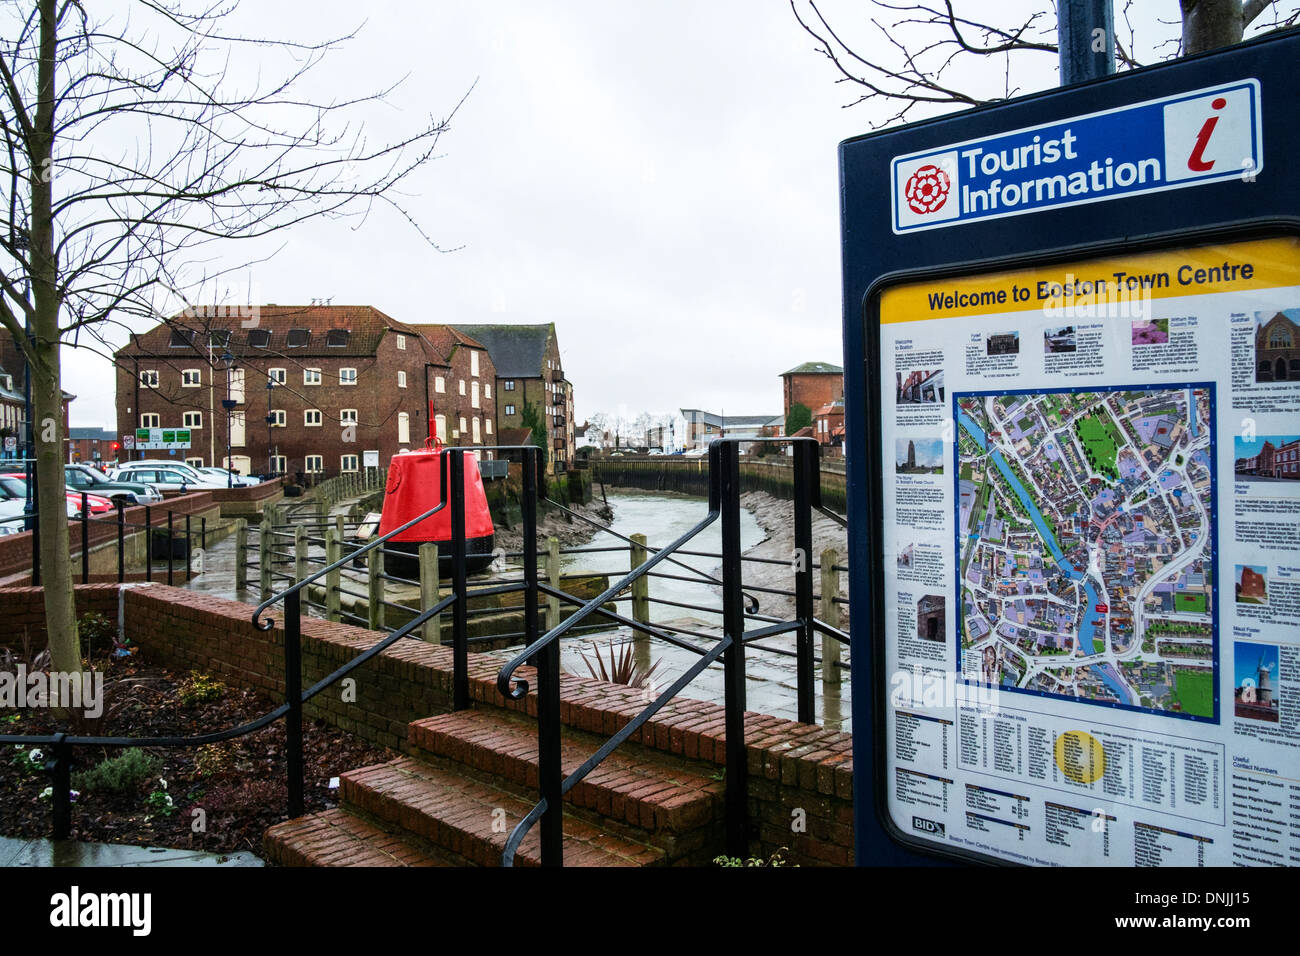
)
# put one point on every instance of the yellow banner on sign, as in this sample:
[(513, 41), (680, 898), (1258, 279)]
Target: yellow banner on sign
[(1100, 284)]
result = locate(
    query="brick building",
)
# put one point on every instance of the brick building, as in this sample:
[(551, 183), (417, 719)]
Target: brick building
[(528, 369), (703, 427), (13, 400), (92, 445), (812, 384), (314, 387), (828, 428), (1277, 348)]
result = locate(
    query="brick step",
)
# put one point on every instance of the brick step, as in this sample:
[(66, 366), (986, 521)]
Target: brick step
[(472, 818), (338, 838), (632, 785)]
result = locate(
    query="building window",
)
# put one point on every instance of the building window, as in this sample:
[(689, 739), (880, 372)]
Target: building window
[(477, 436), (259, 338), (191, 378), (150, 420), (348, 463), (508, 385), (192, 420), (149, 378), (462, 425), (403, 428), (314, 464), (219, 338), (401, 344), (194, 462), (311, 376), (277, 375), (311, 417), (473, 364), (348, 416), (487, 425), (347, 376), (279, 418), (440, 385), (298, 338), (487, 389), (510, 409), (181, 338), (462, 386), (278, 464), (440, 427), (337, 338), (235, 379), (474, 399), (401, 379)]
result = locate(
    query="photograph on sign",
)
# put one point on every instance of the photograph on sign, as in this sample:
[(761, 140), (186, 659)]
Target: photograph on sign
[(1091, 503)]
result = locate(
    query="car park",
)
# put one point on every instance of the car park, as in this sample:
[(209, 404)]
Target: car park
[(79, 477), (167, 477), (97, 504)]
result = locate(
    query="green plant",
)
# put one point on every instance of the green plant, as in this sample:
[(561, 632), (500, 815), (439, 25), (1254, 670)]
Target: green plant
[(776, 859), (214, 760), (159, 802), (622, 667), (199, 688), (28, 762), (121, 774), (96, 632), (800, 417)]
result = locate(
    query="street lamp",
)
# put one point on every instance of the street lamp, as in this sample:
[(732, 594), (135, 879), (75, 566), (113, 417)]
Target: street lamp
[(228, 403), (270, 420)]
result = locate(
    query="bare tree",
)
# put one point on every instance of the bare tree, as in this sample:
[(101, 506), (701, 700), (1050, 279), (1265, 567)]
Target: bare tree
[(931, 55), (138, 139)]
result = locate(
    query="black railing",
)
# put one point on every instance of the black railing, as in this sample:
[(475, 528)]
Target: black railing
[(544, 654), (541, 651)]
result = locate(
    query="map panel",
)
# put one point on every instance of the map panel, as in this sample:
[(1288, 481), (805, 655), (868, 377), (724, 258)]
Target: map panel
[(1085, 536)]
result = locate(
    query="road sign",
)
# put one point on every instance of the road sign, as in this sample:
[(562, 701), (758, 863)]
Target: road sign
[(161, 439), (1059, 311), (128, 442)]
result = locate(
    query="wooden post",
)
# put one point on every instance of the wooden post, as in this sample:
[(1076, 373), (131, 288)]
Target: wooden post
[(830, 614), (333, 579), (640, 602), (430, 593), (553, 579), (264, 557), (241, 555), (375, 589)]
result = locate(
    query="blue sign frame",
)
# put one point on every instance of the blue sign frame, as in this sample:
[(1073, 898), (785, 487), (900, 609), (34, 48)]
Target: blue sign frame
[(879, 250)]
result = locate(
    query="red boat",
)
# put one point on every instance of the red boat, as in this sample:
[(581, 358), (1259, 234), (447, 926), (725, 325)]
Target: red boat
[(415, 486)]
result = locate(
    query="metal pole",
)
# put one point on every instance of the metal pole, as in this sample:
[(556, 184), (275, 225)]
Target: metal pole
[(725, 464), (85, 539), (528, 513), (293, 696), (121, 539), (1086, 39), (459, 632), (171, 545), (61, 780), (549, 770), (148, 544), (805, 473), (187, 547)]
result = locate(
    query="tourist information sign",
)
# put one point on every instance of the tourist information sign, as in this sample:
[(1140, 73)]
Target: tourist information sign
[(147, 439), (1075, 518)]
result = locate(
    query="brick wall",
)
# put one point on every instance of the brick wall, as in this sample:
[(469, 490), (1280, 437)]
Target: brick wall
[(24, 608), (800, 776), (812, 390)]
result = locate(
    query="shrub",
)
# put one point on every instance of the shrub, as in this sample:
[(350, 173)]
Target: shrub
[(200, 689), (121, 774)]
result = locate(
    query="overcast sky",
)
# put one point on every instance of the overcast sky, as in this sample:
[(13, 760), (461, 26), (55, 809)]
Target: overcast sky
[(657, 179)]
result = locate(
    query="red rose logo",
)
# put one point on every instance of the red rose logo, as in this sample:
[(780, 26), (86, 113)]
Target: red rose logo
[(927, 190)]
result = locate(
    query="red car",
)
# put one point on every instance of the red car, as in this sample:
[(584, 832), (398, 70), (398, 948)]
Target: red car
[(98, 504)]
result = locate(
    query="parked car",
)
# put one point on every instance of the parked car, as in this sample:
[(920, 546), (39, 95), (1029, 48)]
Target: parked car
[(13, 499), (98, 504), (235, 478), (167, 476), (86, 478)]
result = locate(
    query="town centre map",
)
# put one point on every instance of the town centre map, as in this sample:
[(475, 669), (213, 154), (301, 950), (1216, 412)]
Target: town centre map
[(1085, 526)]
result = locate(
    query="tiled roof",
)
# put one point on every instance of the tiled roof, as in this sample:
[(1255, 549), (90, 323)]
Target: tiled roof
[(515, 436), (814, 368), (445, 338), (365, 325), (518, 351), (698, 415)]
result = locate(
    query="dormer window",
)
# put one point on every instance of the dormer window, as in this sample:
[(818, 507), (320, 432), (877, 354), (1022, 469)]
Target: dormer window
[(219, 338), (259, 338), (181, 338), (298, 338), (335, 338)]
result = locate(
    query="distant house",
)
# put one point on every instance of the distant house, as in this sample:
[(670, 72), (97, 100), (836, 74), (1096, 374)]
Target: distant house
[(528, 369), (812, 384), (828, 428), (703, 427), (92, 445)]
